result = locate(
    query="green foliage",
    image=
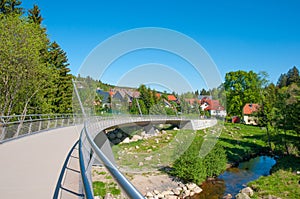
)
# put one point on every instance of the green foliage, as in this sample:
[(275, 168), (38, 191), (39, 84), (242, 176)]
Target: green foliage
[(281, 184), (34, 72), (34, 15), (101, 188), (289, 78), (242, 142), (287, 163), (10, 7), (241, 87), (191, 167), (23, 74)]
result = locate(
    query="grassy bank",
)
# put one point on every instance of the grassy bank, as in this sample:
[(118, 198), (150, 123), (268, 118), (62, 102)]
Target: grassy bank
[(241, 142), (284, 181)]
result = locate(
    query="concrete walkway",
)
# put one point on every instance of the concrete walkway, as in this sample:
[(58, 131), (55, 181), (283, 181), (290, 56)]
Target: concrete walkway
[(30, 166)]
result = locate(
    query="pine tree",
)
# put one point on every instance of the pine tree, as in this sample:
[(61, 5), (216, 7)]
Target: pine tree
[(293, 76), (10, 6), (62, 82), (34, 15)]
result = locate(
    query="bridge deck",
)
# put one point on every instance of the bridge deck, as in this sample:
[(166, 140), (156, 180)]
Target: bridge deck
[(30, 166)]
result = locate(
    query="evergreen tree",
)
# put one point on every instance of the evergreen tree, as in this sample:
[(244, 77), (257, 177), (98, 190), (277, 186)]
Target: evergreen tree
[(62, 82), (282, 81), (293, 76), (10, 6), (34, 15)]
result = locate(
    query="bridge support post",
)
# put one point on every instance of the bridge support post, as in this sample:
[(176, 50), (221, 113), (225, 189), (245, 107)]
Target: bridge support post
[(186, 125), (149, 129), (103, 144)]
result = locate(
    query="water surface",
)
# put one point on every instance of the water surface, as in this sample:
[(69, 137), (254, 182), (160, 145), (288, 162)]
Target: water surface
[(236, 178)]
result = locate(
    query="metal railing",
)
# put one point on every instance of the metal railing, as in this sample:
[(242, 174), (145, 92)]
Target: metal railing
[(89, 150), (12, 127)]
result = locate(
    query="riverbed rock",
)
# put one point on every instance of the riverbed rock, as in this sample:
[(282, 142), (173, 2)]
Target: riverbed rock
[(247, 191), (197, 190), (136, 138), (228, 196), (242, 196), (191, 186), (177, 191), (109, 196), (171, 197), (149, 194), (126, 140)]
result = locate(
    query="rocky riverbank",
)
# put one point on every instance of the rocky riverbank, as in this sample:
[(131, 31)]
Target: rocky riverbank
[(181, 191)]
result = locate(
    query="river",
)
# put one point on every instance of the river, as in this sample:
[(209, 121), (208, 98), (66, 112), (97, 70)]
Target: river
[(236, 178)]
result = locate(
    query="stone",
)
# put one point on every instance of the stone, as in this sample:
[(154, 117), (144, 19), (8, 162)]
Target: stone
[(165, 193), (126, 140), (112, 136), (177, 191), (149, 194), (192, 193), (298, 172), (148, 158), (156, 192), (191, 186), (136, 138), (119, 135), (228, 196), (197, 190), (141, 164), (143, 133), (247, 191), (187, 192), (109, 196), (175, 129), (171, 197), (160, 195), (137, 147), (242, 196)]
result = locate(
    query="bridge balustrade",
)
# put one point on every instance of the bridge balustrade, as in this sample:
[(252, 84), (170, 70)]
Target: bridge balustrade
[(89, 151)]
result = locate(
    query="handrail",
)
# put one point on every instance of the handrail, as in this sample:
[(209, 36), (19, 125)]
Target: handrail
[(86, 185), (17, 126), (126, 185), (87, 138)]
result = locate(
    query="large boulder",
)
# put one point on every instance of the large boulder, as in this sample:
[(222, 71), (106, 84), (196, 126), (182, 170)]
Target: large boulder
[(247, 191), (242, 196)]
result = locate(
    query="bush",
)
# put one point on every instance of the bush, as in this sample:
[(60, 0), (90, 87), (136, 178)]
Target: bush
[(192, 168)]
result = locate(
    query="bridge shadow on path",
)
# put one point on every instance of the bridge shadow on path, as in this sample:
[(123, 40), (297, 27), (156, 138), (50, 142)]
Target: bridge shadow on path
[(68, 185)]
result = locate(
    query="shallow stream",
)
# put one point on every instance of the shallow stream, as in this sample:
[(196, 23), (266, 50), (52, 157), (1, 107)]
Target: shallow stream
[(236, 178)]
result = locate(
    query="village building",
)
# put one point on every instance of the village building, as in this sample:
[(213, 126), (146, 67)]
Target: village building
[(249, 111)]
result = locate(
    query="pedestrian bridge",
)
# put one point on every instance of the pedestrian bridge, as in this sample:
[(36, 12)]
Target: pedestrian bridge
[(56, 161)]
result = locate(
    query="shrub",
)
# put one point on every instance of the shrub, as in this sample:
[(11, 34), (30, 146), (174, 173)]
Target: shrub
[(191, 167)]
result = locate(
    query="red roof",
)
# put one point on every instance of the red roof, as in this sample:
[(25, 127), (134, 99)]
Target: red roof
[(214, 105), (172, 98), (249, 108)]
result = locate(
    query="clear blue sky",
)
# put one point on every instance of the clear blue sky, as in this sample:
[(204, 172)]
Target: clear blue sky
[(258, 35)]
